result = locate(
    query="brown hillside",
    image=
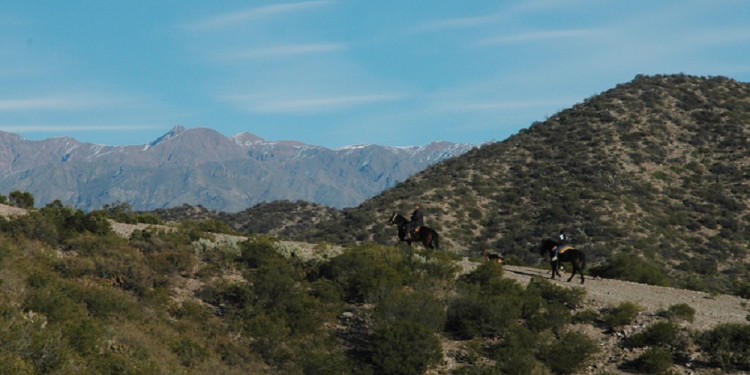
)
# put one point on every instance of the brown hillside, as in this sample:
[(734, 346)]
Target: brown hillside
[(655, 170)]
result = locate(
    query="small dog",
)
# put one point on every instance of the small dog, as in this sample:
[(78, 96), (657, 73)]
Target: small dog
[(492, 256)]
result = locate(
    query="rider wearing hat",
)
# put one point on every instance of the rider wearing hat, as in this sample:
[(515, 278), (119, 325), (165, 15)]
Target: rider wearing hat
[(562, 243), (417, 221)]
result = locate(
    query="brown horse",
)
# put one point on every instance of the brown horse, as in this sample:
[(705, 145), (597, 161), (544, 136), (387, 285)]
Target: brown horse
[(575, 257), (428, 236)]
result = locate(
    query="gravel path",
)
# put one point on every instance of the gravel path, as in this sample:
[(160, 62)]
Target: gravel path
[(709, 309)]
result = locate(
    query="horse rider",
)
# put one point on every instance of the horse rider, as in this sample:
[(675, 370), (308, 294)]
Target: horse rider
[(417, 221), (562, 244)]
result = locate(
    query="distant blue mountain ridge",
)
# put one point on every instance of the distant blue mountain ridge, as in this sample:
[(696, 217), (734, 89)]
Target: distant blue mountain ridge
[(200, 166)]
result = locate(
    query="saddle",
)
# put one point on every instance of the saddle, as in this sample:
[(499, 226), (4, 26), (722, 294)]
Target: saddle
[(564, 248)]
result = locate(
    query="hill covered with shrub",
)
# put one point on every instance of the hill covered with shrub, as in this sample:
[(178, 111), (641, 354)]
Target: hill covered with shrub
[(650, 178)]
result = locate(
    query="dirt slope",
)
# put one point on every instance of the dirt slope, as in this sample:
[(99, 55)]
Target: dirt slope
[(709, 309)]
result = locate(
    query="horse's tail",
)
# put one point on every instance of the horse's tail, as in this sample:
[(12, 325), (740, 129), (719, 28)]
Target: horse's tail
[(583, 260), (436, 240)]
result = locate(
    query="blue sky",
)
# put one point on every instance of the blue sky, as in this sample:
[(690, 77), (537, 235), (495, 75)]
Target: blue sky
[(341, 72)]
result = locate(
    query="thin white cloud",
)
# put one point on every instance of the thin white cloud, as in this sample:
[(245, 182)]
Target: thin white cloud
[(48, 103), (502, 105), (70, 128), (231, 19), (459, 23), (721, 36), (69, 102), (540, 35), (284, 51), (264, 104)]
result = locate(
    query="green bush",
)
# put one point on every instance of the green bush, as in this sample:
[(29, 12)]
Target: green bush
[(655, 360), (21, 199), (568, 354), (621, 315), (657, 334), (682, 311), (568, 297), (546, 316), (404, 348), (478, 370), (587, 316), (631, 268), (257, 251), (367, 273), (188, 351), (11, 363), (516, 352), (475, 314), (417, 307), (727, 345)]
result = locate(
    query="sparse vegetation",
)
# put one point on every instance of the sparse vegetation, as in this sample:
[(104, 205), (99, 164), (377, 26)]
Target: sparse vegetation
[(76, 298)]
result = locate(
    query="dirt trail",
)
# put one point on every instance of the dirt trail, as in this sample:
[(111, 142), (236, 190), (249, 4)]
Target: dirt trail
[(710, 310)]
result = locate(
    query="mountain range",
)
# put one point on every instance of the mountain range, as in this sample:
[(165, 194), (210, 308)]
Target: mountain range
[(200, 166)]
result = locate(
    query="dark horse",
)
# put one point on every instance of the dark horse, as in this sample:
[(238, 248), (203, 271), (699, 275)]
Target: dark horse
[(427, 236), (576, 257)]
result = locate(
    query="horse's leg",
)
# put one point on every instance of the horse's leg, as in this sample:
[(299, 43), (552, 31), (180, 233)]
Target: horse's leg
[(554, 269), (575, 269), (580, 271)]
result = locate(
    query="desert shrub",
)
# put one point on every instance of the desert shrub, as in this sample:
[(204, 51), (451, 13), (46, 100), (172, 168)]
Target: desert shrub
[(188, 351), (515, 354), (69, 222), (323, 362), (276, 291), (587, 316), (12, 363), (55, 303), (655, 360), (208, 225), (367, 272), (484, 274), (171, 260), (83, 334), (621, 315), (476, 314), (680, 311), (488, 279), (569, 353), (477, 370), (257, 251), (727, 345), (417, 307), (21, 199), (105, 303), (193, 311), (631, 268), (32, 226), (119, 363), (548, 306), (545, 316), (657, 334), (568, 297), (437, 265), (404, 348), (271, 338)]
